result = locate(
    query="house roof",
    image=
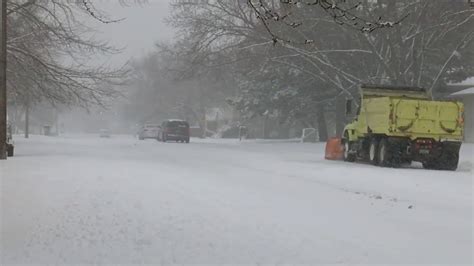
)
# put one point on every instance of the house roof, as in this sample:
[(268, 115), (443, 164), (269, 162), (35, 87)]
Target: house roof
[(468, 91), (453, 88), (468, 81)]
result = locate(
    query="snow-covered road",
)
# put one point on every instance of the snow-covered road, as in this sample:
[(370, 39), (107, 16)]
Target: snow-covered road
[(89, 200)]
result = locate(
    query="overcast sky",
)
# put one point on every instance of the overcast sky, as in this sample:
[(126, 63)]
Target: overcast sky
[(142, 28)]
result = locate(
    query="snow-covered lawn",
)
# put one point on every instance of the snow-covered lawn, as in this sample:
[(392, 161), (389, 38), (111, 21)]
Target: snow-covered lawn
[(89, 200)]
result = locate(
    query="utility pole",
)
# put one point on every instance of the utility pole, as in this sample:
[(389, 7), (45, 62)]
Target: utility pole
[(56, 118), (27, 117), (3, 80)]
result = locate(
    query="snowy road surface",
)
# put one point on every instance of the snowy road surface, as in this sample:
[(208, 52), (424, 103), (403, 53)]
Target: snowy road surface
[(89, 200)]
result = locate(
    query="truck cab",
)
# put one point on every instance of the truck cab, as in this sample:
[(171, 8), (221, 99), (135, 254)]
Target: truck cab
[(396, 125)]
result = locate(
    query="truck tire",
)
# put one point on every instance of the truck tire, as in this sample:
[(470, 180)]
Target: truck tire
[(384, 153), (374, 151), (406, 161), (451, 161), (10, 150), (389, 153), (348, 156), (448, 161), (430, 164)]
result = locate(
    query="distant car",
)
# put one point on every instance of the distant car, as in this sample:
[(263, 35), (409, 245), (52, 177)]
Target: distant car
[(149, 131), (174, 130), (104, 133)]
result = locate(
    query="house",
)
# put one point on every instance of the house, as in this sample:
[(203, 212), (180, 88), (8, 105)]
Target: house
[(467, 97)]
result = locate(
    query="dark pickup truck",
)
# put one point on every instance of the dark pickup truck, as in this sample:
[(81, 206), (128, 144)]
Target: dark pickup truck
[(174, 130)]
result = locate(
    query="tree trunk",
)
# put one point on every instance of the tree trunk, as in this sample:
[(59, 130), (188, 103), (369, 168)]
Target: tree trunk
[(56, 118), (3, 80), (204, 129), (340, 115), (322, 125), (204, 121), (27, 120)]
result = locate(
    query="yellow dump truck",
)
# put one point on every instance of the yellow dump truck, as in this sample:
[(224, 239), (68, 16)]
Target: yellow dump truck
[(396, 125)]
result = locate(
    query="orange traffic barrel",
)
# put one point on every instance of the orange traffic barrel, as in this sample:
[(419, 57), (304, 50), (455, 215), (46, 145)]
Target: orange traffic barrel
[(334, 149)]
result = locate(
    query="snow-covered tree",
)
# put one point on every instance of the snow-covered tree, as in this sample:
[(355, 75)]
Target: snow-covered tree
[(49, 49), (319, 59)]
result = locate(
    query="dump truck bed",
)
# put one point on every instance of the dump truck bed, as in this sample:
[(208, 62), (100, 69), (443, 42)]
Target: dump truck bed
[(413, 118)]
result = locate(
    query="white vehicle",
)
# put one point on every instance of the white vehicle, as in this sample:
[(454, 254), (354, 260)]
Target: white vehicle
[(149, 131), (104, 133)]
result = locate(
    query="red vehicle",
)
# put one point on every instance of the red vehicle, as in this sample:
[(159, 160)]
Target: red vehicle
[(174, 130)]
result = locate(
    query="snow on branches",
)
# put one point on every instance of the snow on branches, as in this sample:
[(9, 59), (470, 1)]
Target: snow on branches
[(340, 11)]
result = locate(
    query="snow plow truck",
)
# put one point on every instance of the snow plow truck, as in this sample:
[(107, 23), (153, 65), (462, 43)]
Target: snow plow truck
[(397, 125)]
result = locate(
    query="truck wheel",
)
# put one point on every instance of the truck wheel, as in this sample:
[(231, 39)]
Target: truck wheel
[(386, 158), (348, 156), (449, 161), (10, 150), (389, 154), (431, 164), (374, 151), (406, 161)]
